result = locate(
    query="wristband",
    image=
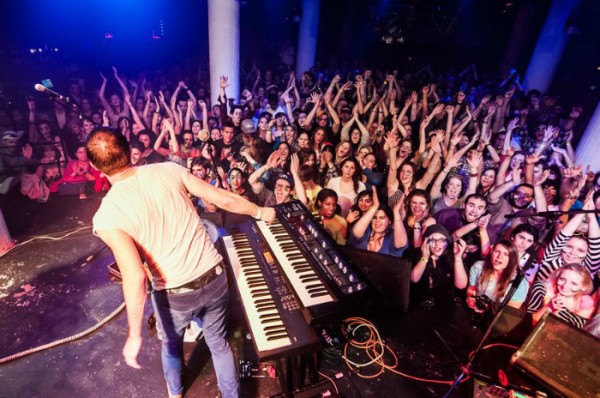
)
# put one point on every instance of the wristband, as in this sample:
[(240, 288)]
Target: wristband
[(424, 259), (473, 174), (259, 214)]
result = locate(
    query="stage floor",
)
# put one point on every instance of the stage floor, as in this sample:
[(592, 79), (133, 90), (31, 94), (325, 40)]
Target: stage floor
[(53, 289)]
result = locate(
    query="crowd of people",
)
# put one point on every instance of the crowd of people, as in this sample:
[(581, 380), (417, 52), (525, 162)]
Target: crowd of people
[(444, 171)]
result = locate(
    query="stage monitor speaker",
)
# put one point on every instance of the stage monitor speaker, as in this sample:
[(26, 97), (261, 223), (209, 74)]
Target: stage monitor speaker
[(389, 275), (561, 357)]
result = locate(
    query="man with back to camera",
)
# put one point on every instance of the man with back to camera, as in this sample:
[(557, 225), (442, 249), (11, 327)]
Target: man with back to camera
[(147, 216)]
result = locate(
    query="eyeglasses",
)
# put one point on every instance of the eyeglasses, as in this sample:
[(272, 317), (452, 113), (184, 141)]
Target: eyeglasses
[(285, 188), (522, 195), (235, 177), (433, 241)]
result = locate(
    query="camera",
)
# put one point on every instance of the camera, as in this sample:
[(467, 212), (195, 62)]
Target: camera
[(483, 304)]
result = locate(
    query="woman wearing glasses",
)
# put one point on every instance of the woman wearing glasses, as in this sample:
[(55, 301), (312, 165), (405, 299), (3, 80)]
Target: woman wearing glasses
[(438, 271)]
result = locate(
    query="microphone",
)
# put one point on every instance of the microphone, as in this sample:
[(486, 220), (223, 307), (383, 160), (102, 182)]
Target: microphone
[(51, 93)]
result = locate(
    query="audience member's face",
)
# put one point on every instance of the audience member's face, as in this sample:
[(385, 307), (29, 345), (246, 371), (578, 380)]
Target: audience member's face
[(283, 191), (355, 136), (310, 160), (574, 251), (188, 139), (405, 149), (418, 206), (85, 104), (115, 100), (301, 118), (123, 123), (365, 202), (343, 150), (215, 134), (499, 141), (569, 283), (151, 107), (380, 222), (196, 127), (236, 117), (44, 130), (453, 188), (517, 161), (227, 134), (199, 171), (499, 258), (437, 244), (216, 111), (97, 119), (322, 120), (360, 155), (406, 174), (262, 123), (145, 140), (182, 105), (289, 133), (488, 178), (81, 154), (319, 136), (369, 161), (328, 207), (303, 141), (348, 169), (136, 154), (550, 193), (87, 127), (523, 241), (285, 151), (235, 180), (474, 209), (522, 197), (75, 128)]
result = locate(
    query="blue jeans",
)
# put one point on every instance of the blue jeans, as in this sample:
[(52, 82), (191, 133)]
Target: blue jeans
[(174, 312)]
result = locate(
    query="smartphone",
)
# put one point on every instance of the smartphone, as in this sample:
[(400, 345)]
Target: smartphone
[(47, 83)]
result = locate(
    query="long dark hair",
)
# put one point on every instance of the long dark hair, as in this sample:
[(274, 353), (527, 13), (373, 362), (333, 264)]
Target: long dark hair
[(507, 274), (356, 177)]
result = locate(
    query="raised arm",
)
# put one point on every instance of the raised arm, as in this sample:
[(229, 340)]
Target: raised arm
[(400, 237), (298, 186), (360, 228)]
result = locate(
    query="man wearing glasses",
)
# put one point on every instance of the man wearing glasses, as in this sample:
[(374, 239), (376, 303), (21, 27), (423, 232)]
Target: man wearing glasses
[(526, 199)]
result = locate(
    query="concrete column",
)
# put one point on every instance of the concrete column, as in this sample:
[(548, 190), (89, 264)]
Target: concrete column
[(224, 46), (550, 45), (307, 36), (587, 149)]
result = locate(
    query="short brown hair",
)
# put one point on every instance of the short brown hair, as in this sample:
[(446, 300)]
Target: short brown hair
[(108, 151)]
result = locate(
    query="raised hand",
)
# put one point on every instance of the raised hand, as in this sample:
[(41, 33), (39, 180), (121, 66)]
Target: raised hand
[(483, 221), (294, 163), (376, 203), (542, 178), (438, 109), (352, 216), (115, 71), (534, 158), (475, 161), (273, 159), (247, 95), (453, 160), (202, 104), (459, 247), (347, 86), (391, 140), (104, 79), (223, 82), (513, 124), (27, 151)]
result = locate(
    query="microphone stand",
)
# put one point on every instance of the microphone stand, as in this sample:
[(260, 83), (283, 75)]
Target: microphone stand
[(66, 102), (468, 368)]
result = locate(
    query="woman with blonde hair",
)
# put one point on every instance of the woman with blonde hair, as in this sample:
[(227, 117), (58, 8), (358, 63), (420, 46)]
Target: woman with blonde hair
[(566, 294)]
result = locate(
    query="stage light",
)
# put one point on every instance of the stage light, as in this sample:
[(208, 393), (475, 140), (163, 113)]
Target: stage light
[(40, 50), (32, 50)]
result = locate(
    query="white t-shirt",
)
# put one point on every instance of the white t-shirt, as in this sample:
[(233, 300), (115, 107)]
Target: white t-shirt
[(153, 208)]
